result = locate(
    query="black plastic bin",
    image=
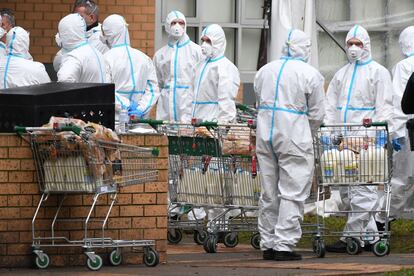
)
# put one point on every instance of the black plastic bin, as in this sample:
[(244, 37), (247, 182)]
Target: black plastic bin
[(34, 105)]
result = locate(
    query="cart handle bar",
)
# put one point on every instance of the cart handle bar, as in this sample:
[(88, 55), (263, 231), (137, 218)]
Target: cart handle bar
[(245, 108), (21, 129), (365, 124), (194, 122)]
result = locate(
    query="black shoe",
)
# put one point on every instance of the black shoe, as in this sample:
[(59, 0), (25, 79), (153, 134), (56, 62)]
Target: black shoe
[(381, 226), (269, 254), (368, 247), (287, 256), (338, 247)]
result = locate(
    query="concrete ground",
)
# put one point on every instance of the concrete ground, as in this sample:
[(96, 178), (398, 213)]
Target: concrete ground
[(190, 259)]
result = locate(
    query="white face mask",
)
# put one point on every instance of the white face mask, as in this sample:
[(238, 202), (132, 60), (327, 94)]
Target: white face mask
[(207, 49), (58, 40), (354, 53), (177, 30), (3, 32)]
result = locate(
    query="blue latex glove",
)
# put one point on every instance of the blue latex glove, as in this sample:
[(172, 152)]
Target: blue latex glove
[(396, 144), (326, 140), (132, 106), (133, 110)]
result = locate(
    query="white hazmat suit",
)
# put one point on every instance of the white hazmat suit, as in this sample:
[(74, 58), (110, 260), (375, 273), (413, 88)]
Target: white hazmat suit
[(82, 62), (403, 167), (16, 68), (136, 87), (290, 96), (175, 64), (361, 89), (216, 81), (93, 35), (216, 85), (2, 50)]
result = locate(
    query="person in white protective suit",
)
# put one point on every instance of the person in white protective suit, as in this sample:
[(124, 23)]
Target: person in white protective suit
[(216, 80), (403, 159), (7, 22), (361, 89), (132, 72), (17, 69), (290, 96), (175, 64), (82, 62), (216, 84), (89, 10), (3, 33)]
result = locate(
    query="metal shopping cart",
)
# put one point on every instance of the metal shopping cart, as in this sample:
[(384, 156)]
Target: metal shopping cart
[(241, 187), (203, 175), (245, 113), (351, 157), (69, 160)]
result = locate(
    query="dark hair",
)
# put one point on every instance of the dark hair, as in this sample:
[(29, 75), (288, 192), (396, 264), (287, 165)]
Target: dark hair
[(9, 14), (90, 6)]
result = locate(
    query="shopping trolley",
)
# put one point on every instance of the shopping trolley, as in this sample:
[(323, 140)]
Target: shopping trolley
[(69, 160), (245, 113), (351, 157), (207, 171)]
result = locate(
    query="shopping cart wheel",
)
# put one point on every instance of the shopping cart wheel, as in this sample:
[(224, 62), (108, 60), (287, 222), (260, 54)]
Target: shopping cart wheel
[(115, 258), (151, 257), (231, 240), (381, 248), (94, 264), (352, 246), (319, 248), (200, 236), (255, 241), (174, 236), (42, 262), (210, 244)]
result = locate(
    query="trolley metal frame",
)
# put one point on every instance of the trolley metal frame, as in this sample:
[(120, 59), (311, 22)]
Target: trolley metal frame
[(351, 156), (75, 163), (202, 176)]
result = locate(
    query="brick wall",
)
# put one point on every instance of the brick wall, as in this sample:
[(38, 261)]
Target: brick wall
[(140, 212), (41, 18)]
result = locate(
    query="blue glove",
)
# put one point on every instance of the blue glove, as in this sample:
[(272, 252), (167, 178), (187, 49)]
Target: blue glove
[(132, 106), (396, 144), (133, 110), (326, 140)]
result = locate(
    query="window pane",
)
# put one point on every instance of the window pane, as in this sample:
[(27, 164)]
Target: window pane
[(253, 9), (368, 9), (332, 10), (218, 11), (378, 47), (331, 57), (193, 34), (187, 7), (401, 13), (250, 49), (231, 43)]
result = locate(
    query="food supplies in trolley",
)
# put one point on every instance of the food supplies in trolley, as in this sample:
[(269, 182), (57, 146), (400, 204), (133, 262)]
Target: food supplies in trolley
[(357, 155)]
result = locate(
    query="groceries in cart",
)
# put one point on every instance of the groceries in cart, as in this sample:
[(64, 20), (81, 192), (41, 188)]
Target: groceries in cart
[(354, 157), (76, 161), (78, 156), (74, 157)]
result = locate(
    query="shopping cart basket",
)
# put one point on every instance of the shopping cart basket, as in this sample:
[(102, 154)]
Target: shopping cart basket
[(351, 157), (68, 161)]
